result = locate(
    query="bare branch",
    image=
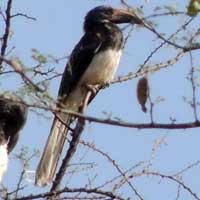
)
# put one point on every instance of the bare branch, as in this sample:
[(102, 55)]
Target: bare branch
[(186, 125), (197, 163), (175, 180), (7, 29), (23, 15), (72, 190), (150, 69), (166, 14), (164, 42), (18, 69), (193, 84), (116, 166), (121, 123)]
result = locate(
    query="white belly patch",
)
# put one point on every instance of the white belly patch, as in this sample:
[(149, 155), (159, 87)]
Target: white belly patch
[(102, 68), (100, 71)]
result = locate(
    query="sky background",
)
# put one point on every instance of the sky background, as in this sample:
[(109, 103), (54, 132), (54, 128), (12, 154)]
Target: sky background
[(57, 29)]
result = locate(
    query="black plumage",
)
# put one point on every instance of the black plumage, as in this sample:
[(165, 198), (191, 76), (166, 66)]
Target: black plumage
[(101, 34), (91, 44), (94, 60), (13, 116)]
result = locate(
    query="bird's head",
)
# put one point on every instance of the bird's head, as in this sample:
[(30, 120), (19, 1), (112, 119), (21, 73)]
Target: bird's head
[(107, 14)]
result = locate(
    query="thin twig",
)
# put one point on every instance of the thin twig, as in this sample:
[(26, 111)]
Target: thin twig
[(178, 192), (165, 14), (18, 69), (193, 84), (164, 42), (151, 108), (123, 174), (120, 176), (186, 168), (23, 15), (175, 180), (150, 69)]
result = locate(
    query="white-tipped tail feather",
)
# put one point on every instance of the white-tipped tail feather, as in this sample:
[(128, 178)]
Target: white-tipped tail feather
[(3, 160), (49, 160)]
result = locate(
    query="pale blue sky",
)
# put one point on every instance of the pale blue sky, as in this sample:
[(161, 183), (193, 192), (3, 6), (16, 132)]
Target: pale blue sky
[(57, 29)]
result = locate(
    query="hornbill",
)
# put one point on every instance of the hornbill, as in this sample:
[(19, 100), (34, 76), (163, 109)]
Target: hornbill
[(93, 61), (13, 114)]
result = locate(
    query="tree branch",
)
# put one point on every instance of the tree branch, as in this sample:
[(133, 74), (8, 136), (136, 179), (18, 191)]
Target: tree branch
[(18, 69), (7, 29), (175, 180), (72, 190), (113, 162), (149, 69), (172, 126), (23, 15)]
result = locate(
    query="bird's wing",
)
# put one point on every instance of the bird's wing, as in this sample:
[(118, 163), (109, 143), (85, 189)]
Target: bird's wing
[(81, 57), (79, 61)]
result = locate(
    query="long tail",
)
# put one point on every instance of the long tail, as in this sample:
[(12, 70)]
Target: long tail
[(46, 169)]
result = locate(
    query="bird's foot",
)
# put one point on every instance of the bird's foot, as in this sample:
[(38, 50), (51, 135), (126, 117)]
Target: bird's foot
[(93, 88), (105, 85)]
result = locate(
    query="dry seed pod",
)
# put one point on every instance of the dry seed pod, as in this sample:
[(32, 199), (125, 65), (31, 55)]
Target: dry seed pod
[(143, 92)]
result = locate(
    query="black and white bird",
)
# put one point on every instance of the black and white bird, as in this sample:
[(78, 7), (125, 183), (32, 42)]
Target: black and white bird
[(94, 60), (13, 116)]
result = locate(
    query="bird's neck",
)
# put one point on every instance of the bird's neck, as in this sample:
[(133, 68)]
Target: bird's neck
[(110, 34)]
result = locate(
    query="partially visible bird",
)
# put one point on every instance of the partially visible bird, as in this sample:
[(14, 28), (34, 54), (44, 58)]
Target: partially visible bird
[(13, 116), (143, 92), (94, 60)]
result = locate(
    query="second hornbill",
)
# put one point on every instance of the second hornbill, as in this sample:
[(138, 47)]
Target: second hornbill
[(13, 114), (93, 61)]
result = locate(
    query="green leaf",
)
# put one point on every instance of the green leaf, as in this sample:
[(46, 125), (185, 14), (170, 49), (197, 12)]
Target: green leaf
[(36, 55), (171, 8), (42, 59)]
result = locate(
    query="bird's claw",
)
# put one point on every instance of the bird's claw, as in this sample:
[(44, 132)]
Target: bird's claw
[(93, 88), (105, 85)]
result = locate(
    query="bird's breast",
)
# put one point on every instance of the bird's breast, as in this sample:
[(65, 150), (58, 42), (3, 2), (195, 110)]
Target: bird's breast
[(101, 70), (102, 67)]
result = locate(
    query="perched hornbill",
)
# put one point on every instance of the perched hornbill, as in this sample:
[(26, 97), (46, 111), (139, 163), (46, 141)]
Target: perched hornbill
[(13, 116), (94, 60)]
